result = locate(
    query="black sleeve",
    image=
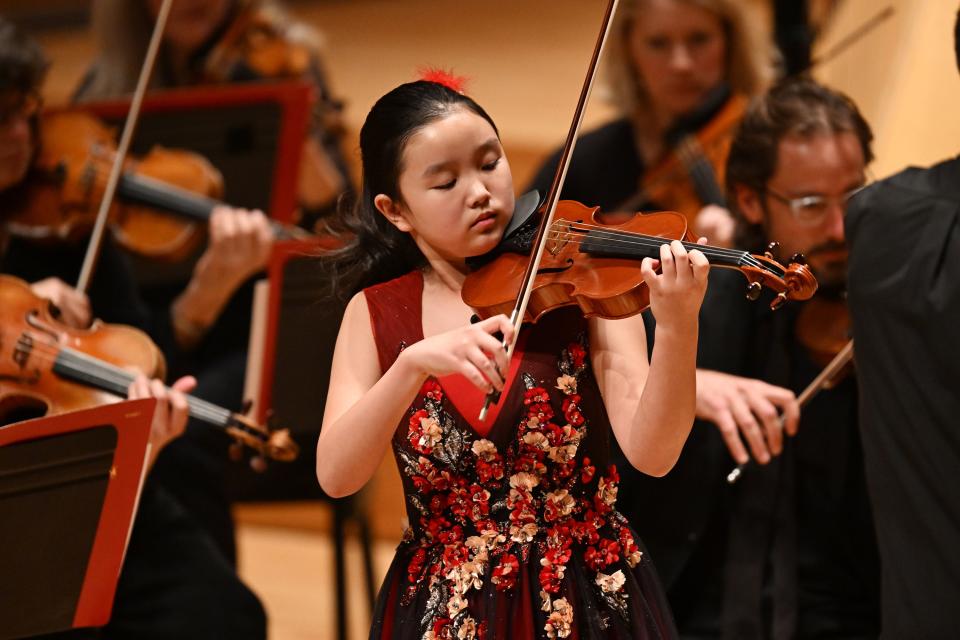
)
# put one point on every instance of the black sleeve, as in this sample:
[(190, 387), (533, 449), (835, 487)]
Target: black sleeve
[(113, 293), (904, 297)]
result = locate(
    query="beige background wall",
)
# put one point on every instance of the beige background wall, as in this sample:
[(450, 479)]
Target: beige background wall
[(904, 77)]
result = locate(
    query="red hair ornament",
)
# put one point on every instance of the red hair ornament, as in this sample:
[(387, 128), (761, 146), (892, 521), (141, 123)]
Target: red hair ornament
[(444, 77)]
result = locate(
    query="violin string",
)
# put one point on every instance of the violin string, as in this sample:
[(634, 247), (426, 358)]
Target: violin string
[(602, 229), (623, 237), (645, 242), (94, 372), (88, 364), (646, 250), (732, 256), (283, 231)]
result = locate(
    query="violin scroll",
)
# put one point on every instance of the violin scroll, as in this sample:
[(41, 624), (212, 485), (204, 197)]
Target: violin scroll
[(267, 443), (793, 282)]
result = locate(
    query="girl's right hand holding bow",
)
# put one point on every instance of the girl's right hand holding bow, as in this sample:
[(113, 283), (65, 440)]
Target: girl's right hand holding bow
[(473, 351), (365, 403)]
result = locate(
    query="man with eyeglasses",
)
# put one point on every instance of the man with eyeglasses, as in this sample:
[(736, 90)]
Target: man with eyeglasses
[(904, 282), (788, 550)]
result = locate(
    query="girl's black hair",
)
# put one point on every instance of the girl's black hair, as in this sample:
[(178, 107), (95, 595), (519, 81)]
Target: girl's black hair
[(376, 250)]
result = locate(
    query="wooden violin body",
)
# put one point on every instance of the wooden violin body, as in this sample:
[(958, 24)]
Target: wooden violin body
[(66, 184), (823, 327), (256, 46), (597, 267), (164, 199), (34, 379), (47, 368), (692, 175)]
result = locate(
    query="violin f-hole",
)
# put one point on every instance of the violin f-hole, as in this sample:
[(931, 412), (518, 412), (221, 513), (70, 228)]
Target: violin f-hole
[(567, 264), (35, 322)]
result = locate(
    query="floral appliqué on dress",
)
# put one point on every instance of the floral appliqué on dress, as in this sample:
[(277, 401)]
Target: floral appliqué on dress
[(482, 511)]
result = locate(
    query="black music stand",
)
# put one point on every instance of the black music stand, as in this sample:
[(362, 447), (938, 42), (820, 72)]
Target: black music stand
[(290, 369), (69, 486)]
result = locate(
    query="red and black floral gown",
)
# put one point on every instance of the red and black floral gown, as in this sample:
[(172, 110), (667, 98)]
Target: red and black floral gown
[(513, 531)]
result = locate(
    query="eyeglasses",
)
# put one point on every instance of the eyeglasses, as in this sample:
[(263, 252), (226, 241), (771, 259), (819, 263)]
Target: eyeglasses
[(23, 105), (811, 210)]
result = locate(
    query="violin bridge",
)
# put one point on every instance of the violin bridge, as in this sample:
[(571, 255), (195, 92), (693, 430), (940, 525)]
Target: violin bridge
[(559, 236)]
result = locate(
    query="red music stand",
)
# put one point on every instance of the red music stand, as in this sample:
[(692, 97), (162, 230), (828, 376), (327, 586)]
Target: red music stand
[(69, 486)]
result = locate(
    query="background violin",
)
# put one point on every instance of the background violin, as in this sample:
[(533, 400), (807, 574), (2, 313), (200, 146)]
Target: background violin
[(47, 367), (61, 196), (823, 328), (596, 266), (256, 45), (691, 175), (260, 44)]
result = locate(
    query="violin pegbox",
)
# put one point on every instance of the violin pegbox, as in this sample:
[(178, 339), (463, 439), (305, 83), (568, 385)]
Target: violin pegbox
[(266, 442), (793, 282)]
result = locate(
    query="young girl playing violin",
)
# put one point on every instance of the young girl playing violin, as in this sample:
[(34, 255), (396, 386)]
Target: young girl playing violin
[(514, 531)]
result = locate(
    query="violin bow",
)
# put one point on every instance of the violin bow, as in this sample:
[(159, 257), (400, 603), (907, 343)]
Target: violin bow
[(821, 382), (553, 196), (100, 225)]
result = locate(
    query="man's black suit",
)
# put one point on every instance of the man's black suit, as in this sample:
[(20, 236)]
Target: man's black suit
[(904, 282)]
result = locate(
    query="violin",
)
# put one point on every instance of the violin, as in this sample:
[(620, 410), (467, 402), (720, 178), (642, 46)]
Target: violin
[(597, 267), (47, 368), (823, 328), (543, 272), (60, 199), (259, 44), (691, 175), (256, 44)]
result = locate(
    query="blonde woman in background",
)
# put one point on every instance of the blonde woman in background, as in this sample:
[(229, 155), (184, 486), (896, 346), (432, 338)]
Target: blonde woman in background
[(676, 70)]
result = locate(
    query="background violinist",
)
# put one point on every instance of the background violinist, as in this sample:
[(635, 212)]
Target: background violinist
[(209, 301), (226, 41), (789, 550), (174, 582), (673, 67)]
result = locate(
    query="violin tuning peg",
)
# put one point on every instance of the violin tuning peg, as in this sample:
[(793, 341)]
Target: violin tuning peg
[(245, 408), (235, 451), (753, 291), (772, 250), (258, 464), (779, 300), (798, 258)]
